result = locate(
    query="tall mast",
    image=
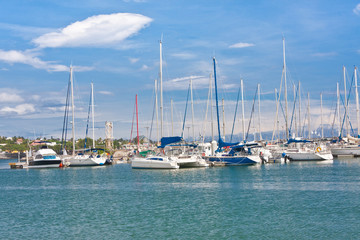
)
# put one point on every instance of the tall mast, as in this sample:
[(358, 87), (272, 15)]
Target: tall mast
[(357, 102), (216, 100), (211, 110), (346, 106), (223, 111), (242, 107), (172, 118), (309, 116), (299, 110), (137, 124), (321, 116), (93, 113), (260, 137), (277, 98), (276, 123), (161, 93), (285, 93), (338, 106), (72, 108), (192, 109), (156, 110), (295, 122)]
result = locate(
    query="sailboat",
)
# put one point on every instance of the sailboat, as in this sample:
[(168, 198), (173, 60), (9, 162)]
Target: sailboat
[(351, 149), (240, 154), (159, 161), (85, 157)]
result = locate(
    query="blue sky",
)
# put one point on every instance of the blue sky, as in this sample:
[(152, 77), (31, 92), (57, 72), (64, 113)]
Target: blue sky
[(115, 44)]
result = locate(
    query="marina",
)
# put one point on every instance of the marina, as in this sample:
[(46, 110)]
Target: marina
[(143, 119), (308, 200)]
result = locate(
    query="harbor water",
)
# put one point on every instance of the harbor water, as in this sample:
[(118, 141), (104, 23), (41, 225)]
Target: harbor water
[(313, 200)]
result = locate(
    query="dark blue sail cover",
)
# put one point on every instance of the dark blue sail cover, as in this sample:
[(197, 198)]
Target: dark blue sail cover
[(292, 140), (169, 140), (226, 144)]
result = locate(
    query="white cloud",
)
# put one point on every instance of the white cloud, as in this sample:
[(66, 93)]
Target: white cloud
[(357, 9), (30, 58), (183, 83), (145, 67), (19, 109), (99, 30), (134, 60), (184, 55), (105, 92), (241, 45), (10, 97)]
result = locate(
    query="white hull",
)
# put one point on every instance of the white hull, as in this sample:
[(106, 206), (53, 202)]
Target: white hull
[(153, 163), (191, 161), (79, 161), (308, 156), (43, 166), (346, 151)]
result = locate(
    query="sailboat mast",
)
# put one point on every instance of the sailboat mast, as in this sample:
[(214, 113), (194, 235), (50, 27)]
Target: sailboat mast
[(223, 112), (285, 92), (216, 99), (321, 116), (161, 93), (346, 106), (338, 106), (172, 119), (309, 132), (295, 120), (357, 102), (137, 123), (93, 113), (242, 107), (157, 111), (211, 110), (260, 137), (299, 110), (72, 108), (192, 109)]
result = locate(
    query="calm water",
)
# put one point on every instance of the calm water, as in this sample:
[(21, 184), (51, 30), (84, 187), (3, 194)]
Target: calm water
[(275, 201)]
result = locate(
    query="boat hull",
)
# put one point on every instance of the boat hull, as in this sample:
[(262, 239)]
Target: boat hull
[(153, 164), (44, 164), (83, 162), (234, 160), (299, 156), (190, 162), (346, 151)]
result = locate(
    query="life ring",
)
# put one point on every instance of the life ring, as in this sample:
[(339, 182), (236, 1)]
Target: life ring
[(318, 149)]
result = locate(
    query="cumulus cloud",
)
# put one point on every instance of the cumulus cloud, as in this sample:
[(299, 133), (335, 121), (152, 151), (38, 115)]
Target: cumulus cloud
[(241, 45), (10, 97), (357, 9), (30, 58), (99, 31), (19, 109)]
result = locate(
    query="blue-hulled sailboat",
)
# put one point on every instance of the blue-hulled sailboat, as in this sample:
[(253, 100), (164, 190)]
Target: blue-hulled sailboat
[(240, 154)]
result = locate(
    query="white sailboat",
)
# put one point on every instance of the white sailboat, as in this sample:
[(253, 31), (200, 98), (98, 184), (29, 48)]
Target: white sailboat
[(352, 148), (86, 157)]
